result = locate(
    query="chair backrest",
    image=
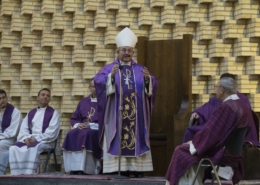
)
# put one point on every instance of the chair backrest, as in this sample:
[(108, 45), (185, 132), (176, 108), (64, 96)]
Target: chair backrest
[(256, 121), (235, 141), (56, 141)]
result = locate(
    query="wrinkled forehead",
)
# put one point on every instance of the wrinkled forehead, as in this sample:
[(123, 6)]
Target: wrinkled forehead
[(2, 95), (44, 92)]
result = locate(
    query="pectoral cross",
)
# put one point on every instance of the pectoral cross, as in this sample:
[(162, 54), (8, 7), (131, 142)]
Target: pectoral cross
[(127, 79)]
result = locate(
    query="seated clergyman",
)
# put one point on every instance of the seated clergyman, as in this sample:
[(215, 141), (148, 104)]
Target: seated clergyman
[(202, 114), (81, 150), (10, 120), (209, 142), (38, 132)]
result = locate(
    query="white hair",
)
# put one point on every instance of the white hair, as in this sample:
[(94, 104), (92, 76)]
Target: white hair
[(229, 84)]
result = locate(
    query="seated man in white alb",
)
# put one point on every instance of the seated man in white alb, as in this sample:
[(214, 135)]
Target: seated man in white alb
[(10, 120), (81, 150), (39, 130)]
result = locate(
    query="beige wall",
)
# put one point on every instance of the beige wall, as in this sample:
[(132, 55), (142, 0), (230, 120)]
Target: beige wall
[(61, 44)]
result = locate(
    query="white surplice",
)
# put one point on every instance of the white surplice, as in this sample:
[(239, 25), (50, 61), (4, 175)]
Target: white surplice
[(26, 160), (81, 161), (8, 137)]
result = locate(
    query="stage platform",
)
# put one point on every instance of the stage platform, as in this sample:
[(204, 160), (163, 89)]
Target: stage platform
[(59, 178)]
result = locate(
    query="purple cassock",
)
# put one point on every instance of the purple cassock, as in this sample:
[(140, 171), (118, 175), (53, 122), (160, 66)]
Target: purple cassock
[(77, 139), (206, 111), (209, 141), (137, 108), (7, 117), (46, 121)]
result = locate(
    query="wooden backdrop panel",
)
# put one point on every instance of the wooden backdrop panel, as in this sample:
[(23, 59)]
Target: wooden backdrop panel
[(170, 61)]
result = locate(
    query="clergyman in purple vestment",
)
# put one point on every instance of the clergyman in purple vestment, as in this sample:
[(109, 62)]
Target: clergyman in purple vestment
[(203, 113), (39, 130), (10, 121), (138, 96), (209, 142), (81, 150)]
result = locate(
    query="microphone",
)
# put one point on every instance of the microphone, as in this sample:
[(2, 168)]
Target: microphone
[(120, 67)]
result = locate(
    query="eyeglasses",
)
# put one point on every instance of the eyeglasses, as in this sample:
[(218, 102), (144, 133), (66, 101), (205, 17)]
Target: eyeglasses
[(124, 50), (215, 86)]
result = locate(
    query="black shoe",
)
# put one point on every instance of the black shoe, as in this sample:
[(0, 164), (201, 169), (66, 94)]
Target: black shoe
[(139, 174), (80, 173), (127, 173), (73, 172)]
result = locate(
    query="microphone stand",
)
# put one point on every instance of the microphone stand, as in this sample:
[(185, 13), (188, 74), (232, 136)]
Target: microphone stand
[(120, 121), (119, 176)]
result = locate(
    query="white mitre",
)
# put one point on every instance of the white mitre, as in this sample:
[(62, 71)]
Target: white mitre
[(126, 38)]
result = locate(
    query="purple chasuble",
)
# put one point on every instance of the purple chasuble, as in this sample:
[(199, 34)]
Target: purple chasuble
[(46, 121), (137, 108), (77, 139), (209, 141), (206, 111), (86, 111), (7, 117)]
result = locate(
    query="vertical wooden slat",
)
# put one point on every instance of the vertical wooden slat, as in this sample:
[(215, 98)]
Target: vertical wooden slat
[(141, 48)]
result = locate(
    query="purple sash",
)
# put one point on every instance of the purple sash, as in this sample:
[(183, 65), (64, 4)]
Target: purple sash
[(46, 121), (7, 117)]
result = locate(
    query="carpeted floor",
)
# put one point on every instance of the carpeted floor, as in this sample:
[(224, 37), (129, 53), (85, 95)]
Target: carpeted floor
[(59, 178)]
